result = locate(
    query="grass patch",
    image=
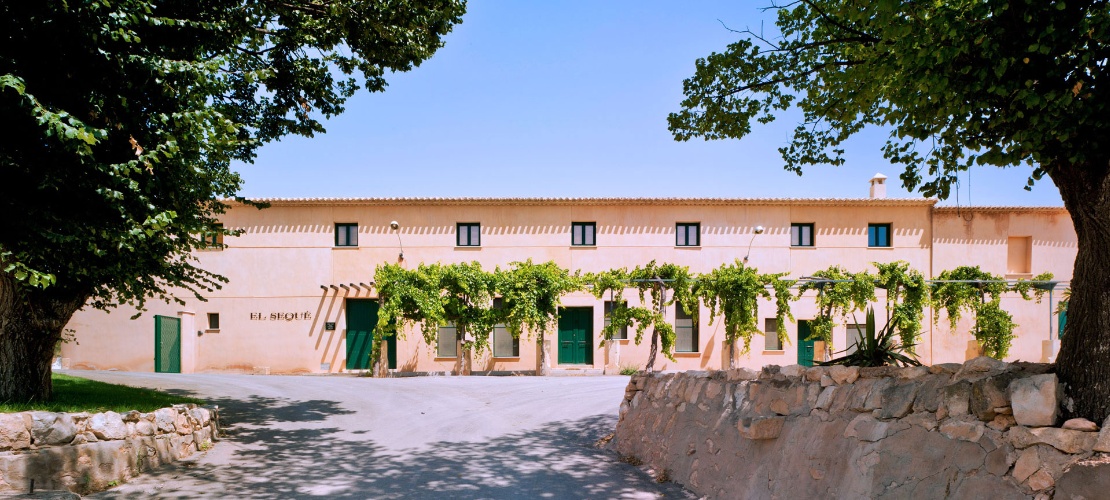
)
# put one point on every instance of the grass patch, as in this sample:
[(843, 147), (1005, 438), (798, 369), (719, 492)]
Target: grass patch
[(76, 394), (629, 369)]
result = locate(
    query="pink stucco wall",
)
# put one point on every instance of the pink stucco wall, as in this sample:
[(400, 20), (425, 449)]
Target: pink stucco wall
[(287, 253)]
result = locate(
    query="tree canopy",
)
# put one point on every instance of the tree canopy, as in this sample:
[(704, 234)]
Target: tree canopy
[(123, 119), (958, 84)]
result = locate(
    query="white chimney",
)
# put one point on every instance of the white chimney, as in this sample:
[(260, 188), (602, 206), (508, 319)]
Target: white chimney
[(878, 186)]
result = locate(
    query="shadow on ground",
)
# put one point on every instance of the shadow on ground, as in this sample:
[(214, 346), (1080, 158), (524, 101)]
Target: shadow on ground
[(559, 461)]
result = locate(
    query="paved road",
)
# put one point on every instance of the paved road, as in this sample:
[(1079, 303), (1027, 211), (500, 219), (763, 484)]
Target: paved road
[(422, 437)]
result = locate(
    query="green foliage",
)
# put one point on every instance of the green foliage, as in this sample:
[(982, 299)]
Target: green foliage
[(907, 294), (958, 84), (878, 348), (123, 118), (611, 285), (76, 394), (734, 290), (970, 289), (437, 294), (629, 369), (668, 285), (531, 294), (839, 293)]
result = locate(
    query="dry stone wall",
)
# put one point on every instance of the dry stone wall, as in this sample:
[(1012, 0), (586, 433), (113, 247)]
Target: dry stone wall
[(984, 429), (85, 452)]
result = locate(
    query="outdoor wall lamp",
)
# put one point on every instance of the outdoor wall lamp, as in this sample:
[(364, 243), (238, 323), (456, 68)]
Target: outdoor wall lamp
[(758, 231), (397, 227)]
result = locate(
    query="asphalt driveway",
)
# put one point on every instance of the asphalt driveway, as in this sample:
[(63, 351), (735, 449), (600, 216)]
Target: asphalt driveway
[(420, 437)]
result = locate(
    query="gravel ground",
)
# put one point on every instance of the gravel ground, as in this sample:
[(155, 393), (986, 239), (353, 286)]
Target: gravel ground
[(419, 437)]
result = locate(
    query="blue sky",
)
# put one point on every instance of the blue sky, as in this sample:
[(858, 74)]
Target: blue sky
[(570, 98)]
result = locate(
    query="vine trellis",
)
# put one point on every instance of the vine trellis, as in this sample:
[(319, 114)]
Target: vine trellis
[(432, 295)]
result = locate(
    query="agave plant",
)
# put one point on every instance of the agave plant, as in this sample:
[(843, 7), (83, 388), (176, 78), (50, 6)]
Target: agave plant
[(880, 348)]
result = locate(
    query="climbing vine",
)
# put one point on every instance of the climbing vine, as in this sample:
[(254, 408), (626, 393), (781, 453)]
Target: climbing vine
[(839, 293), (432, 295), (667, 284), (733, 291), (531, 295), (906, 297), (970, 289)]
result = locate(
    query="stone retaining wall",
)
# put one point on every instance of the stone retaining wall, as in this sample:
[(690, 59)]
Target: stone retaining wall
[(984, 429), (84, 452)]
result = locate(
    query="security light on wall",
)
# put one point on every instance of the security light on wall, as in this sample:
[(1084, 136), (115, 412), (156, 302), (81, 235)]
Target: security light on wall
[(397, 227), (757, 230)]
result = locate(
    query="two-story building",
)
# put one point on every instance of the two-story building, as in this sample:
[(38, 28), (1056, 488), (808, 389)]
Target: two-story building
[(301, 277)]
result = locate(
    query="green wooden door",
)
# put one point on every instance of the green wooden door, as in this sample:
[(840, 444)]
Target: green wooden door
[(805, 347), (576, 336), (362, 316), (167, 344)]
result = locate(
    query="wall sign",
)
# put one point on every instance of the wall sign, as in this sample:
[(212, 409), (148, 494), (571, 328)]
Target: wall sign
[(281, 316), (330, 325)]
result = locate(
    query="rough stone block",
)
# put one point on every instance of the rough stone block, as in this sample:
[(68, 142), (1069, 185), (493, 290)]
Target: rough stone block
[(1002, 422), (1089, 479), (1103, 443), (980, 367), (878, 371), (844, 374), (792, 370), (52, 428), (912, 372), (761, 428), (998, 461), (741, 374), (15, 431), (875, 397), (1040, 480), (1027, 463), (1035, 400), (1080, 424), (816, 373), (165, 419), (945, 368), (107, 426), (1065, 440), (964, 430), (897, 399), (826, 398), (990, 393), (956, 398), (930, 394)]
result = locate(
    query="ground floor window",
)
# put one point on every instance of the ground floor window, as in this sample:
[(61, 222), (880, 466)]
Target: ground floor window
[(447, 341), (686, 331), (621, 334), (854, 336), (504, 345), (771, 335)]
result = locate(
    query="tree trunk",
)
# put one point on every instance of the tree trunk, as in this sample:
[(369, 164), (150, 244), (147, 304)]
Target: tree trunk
[(462, 350), (1083, 364), (544, 368), (650, 368), (31, 324)]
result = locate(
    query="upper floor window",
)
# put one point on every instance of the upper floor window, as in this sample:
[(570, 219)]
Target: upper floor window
[(346, 234), (468, 234), (878, 235), (1019, 253), (213, 321), (801, 234), (582, 234), (215, 238), (687, 234)]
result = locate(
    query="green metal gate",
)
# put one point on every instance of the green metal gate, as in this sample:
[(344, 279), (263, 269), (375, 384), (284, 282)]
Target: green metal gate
[(805, 347), (167, 344), (576, 336)]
